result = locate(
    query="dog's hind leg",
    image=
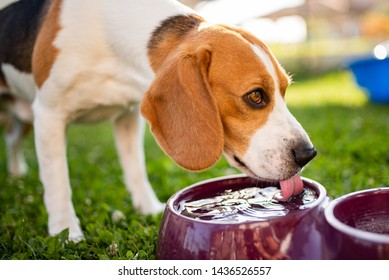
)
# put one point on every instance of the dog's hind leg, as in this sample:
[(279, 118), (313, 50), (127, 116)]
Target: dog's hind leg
[(15, 133), (50, 142), (129, 132), (18, 120)]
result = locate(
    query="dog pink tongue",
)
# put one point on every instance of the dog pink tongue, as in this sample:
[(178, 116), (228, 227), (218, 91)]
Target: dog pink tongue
[(290, 187)]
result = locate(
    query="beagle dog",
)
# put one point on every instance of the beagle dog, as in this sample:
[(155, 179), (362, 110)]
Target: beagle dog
[(205, 89)]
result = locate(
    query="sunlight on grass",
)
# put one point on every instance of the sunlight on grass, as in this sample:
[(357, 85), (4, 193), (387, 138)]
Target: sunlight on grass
[(336, 88)]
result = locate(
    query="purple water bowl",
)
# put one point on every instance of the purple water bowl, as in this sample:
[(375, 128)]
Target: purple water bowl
[(299, 234), (358, 226)]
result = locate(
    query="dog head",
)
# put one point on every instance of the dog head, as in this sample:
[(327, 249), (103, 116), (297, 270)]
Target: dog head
[(221, 90)]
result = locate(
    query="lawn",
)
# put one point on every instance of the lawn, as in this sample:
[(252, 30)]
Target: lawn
[(350, 134)]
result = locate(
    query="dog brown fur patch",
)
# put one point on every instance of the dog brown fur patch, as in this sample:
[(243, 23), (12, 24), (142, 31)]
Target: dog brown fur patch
[(45, 52), (170, 33)]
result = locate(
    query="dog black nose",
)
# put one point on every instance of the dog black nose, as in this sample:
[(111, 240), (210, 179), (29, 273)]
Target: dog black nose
[(303, 156)]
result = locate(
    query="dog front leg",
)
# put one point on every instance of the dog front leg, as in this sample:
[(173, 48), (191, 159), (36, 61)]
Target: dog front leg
[(50, 142), (129, 132)]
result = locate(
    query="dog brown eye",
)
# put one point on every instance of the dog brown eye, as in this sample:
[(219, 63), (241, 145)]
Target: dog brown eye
[(256, 98)]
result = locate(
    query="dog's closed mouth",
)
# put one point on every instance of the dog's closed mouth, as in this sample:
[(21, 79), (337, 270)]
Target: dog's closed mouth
[(241, 163), (289, 187), (249, 172)]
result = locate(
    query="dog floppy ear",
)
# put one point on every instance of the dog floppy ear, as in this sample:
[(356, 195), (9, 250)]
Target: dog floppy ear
[(182, 113)]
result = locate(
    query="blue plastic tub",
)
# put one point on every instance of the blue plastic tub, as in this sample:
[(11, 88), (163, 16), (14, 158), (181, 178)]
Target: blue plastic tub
[(372, 74)]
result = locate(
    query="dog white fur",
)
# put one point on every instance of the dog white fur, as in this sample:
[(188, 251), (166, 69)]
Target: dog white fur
[(95, 60)]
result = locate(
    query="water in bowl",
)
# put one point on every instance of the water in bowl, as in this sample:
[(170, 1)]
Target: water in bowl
[(247, 204), (371, 221)]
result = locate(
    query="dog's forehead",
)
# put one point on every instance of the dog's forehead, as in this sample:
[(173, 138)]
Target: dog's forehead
[(281, 79), (243, 56)]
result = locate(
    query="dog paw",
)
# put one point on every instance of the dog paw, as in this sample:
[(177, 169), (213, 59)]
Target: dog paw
[(151, 208), (18, 169), (75, 233)]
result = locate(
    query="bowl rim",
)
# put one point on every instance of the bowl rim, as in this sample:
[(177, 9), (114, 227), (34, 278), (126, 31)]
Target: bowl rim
[(349, 230), (170, 203)]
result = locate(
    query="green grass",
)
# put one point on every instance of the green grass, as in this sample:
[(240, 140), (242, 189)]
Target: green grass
[(350, 134)]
